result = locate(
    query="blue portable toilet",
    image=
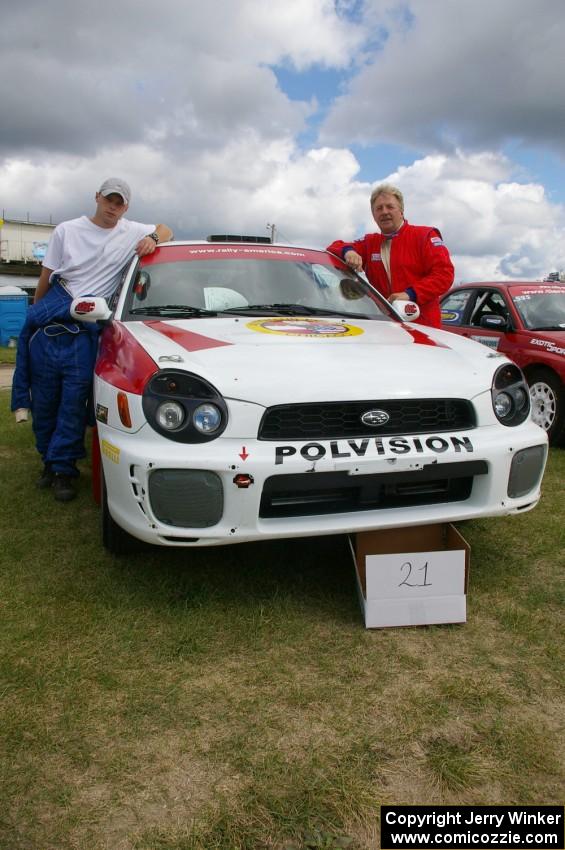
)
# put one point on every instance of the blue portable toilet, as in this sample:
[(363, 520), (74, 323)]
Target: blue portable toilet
[(13, 308)]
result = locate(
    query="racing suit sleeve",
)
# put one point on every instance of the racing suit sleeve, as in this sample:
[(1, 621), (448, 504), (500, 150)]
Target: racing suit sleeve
[(437, 270), (340, 248)]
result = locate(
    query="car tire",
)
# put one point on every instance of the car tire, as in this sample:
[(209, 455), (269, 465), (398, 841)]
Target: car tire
[(547, 396), (114, 538)]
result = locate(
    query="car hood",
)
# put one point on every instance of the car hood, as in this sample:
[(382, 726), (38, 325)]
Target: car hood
[(277, 361)]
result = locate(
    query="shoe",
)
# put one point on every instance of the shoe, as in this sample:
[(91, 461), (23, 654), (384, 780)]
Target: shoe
[(63, 488), (46, 479)]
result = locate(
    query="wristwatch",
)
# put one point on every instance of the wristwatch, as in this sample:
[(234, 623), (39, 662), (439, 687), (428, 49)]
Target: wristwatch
[(154, 237)]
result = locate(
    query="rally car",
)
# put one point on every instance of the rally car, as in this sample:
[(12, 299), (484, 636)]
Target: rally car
[(525, 321), (247, 392)]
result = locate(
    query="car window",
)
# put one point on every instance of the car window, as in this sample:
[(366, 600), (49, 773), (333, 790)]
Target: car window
[(489, 303), (453, 306)]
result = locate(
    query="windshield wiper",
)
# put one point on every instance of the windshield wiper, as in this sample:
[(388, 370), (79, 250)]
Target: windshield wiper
[(174, 309), (294, 310)]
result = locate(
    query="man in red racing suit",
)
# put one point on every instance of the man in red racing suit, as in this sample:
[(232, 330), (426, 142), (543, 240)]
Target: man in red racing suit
[(403, 261)]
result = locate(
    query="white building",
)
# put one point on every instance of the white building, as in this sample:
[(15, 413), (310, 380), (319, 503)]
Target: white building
[(23, 241)]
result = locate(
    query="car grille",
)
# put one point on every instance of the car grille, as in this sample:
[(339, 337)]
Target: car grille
[(308, 494), (334, 420)]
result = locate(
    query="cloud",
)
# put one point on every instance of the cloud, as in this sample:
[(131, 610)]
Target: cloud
[(467, 74), (183, 102), (74, 77), (494, 226), (237, 189)]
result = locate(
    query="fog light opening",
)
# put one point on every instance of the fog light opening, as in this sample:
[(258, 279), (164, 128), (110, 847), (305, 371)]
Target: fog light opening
[(526, 471), (186, 498)]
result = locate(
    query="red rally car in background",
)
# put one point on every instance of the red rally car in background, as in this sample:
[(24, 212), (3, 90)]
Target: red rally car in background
[(526, 322)]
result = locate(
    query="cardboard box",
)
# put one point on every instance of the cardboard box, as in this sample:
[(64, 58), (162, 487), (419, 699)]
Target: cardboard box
[(412, 576)]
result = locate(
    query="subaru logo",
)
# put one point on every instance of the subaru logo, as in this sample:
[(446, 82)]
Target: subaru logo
[(375, 418)]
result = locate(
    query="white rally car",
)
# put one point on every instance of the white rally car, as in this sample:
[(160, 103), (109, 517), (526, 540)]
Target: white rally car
[(252, 391)]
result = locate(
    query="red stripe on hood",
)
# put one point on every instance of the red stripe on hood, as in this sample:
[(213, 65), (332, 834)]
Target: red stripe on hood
[(187, 339), (422, 338), (122, 361)]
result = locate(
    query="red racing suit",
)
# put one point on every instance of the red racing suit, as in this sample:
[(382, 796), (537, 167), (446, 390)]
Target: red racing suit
[(419, 263)]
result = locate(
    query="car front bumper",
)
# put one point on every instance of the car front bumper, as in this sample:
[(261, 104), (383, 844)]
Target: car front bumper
[(231, 491)]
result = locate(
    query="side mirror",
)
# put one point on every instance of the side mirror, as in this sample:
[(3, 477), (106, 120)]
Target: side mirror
[(407, 310), (90, 310), (494, 322)]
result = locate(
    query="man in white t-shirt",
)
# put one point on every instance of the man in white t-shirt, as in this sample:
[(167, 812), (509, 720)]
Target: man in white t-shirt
[(56, 354)]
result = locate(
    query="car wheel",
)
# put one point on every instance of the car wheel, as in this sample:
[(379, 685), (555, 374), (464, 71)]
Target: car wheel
[(114, 538), (548, 403)]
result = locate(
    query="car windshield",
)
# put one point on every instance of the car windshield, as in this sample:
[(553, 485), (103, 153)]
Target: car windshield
[(187, 287), (541, 308)]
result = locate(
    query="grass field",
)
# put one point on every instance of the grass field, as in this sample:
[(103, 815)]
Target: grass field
[(233, 700), (7, 355)]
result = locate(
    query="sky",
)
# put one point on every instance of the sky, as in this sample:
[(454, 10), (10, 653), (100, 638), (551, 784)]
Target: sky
[(235, 115)]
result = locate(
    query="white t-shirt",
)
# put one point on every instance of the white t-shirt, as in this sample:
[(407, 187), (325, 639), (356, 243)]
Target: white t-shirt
[(90, 258)]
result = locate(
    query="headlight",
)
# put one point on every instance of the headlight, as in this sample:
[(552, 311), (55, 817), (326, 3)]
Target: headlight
[(184, 407), (170, 415), (207, 418), (502, 405), (510, 395)]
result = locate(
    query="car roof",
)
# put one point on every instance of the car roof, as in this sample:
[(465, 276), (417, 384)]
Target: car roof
[(508, 283), (242, 243)]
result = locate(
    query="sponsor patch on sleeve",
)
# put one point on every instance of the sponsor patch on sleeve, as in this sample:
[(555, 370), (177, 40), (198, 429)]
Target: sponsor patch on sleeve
[(437, 242)]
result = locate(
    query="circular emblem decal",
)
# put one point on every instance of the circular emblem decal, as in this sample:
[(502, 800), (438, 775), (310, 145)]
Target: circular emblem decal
[(304, 327), (375, 418)]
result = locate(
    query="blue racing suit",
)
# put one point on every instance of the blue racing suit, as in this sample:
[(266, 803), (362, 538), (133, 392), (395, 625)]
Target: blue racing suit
[(53, 377)]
